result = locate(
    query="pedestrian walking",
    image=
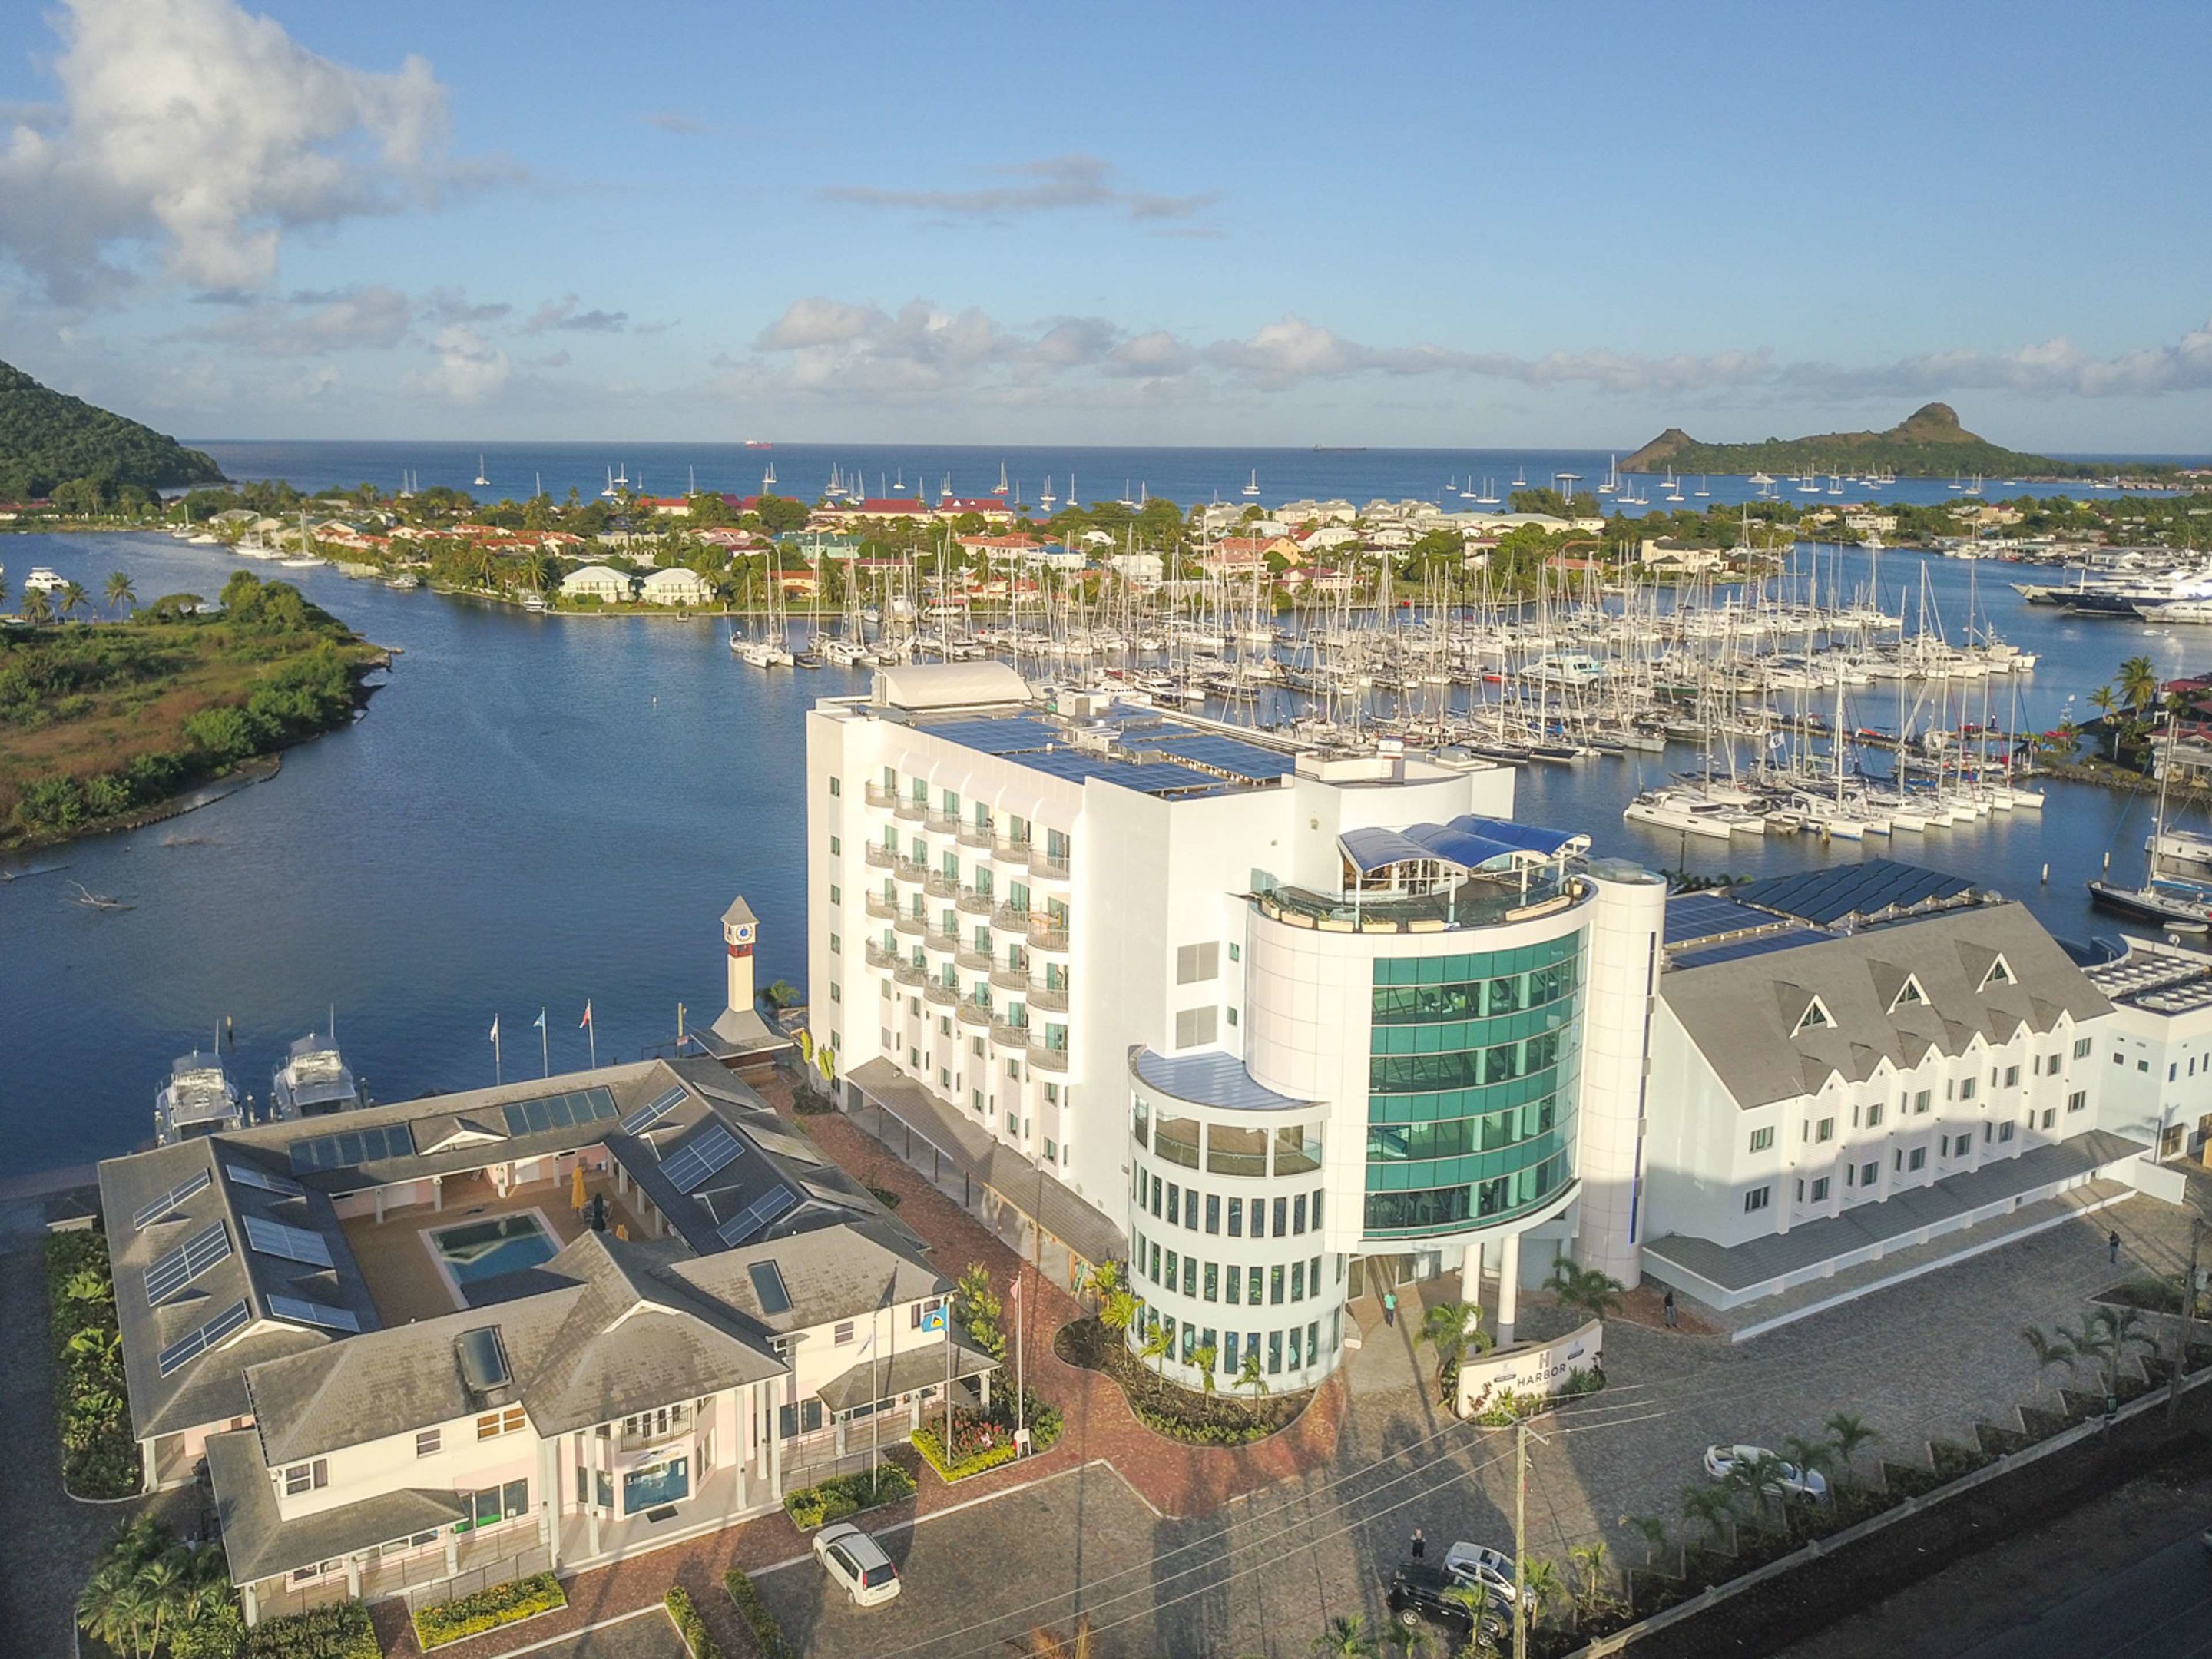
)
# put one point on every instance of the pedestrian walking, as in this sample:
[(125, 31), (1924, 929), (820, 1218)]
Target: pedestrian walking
[(1420, 1546), (2112, 1246), (1389, 1307), (1668, 1306)]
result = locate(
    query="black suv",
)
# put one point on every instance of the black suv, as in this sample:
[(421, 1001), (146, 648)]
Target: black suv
[(1418, 1590)]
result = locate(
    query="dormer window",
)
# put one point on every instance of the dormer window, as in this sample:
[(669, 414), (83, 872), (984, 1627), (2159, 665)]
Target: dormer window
[(1908, 994), (2000, 973), (1816, 1017)]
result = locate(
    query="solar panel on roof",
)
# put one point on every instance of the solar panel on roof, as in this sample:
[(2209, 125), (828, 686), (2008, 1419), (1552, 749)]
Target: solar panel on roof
[(1225, 754), (768, 1287), (1853, 890), (169, 1200), (291, 1243), (349, 1147), (196, 1342), (755, 1217), (246, 1175), (651, 1113), (1757, 945), (1702, 916), (558, 1112), (181, 1265), (301, 1311), (704, 1156)]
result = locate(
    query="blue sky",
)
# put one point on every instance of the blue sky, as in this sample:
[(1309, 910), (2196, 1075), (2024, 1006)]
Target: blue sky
[(1424, 225)]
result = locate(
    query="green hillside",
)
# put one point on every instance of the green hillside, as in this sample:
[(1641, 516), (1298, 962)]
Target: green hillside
[(1929, 444), (49, 438)]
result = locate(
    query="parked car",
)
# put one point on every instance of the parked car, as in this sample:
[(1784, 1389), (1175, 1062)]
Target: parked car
[(858, 1562), (1421, 1591), (1478, 1564), (1788, 1480)]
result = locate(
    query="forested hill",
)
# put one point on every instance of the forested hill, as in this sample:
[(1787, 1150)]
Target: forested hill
[(1929, 444), (49, 438)]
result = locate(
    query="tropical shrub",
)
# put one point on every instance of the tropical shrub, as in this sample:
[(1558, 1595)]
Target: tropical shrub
[(690, 1625), (488, 1609), (978, 1444), (767, 1635), (100, 1457), (343, 1631), (847, 1494)]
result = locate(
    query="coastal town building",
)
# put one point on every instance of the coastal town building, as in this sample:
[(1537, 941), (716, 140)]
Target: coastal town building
[(596, 582), (1131, 986), (676, 586), (541, 1326), (2154, 1059)]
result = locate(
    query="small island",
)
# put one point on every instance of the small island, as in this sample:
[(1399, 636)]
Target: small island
[(103, 722), (1929, 443)]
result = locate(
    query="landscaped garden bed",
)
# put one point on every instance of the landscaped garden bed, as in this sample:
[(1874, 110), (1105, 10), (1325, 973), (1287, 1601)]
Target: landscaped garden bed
[(489, 1609), (91, 1408), (1168, 1409), (343, 1631), (767, 1635), (690, 1625), (983, 1440), (844, 1495)]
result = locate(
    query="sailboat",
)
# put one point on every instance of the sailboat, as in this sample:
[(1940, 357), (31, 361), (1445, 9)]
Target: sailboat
[(1046, 499), (1521, 477), (480, 477), (1252, 488), (1612, 476), (1001, 487), (608, 494), (1702, 490), (1489, 496), (767, 478), (2178, 906)]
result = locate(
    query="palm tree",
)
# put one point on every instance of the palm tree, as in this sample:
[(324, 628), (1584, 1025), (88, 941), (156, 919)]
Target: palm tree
[(1158, 1345), (1344, 1638), (1593, 1580), (2139, 682), (2095, 1342), (2124, 1330), (1453, 1329), (1411, 1641), (2049, 1352), (3, 593), (1710, 1507), (75, 597), (1119, 1311), (1102, 1280), (120, 592), (37, 608), (1203, 1356), (1586, 1289), (1847, 1433), (1545, 1587), (1653, 1531), (1482, 1637), (1248, 1375), (1047, 1645)]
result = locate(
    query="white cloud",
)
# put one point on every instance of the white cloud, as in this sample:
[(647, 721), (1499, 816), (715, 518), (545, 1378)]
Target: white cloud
[(562, 315), (1054, 183), (200, 132), (466, 368)]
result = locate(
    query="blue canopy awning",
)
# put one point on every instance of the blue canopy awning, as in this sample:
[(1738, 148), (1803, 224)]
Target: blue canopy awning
[(1469, 842)]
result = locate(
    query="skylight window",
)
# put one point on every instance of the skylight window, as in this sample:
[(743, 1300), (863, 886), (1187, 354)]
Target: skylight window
[(1815, 1018)]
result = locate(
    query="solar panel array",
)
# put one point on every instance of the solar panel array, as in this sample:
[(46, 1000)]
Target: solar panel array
[(1009, 736), (1158, 778), (181, 1265), (246, 1175), (169, 1200), (1250, 761), (1854, 890), (301, 1311), (558, 1112), (1759, 944), (291, 1243), (650, 1113), (1704, 915), (349, 1147), (199, 1341), (701, 1159), (756, 1217)]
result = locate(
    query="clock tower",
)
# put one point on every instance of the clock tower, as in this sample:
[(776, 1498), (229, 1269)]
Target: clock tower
[(741, 928)]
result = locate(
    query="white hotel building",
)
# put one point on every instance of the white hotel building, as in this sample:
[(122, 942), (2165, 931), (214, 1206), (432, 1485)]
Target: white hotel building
[(1136, 985)]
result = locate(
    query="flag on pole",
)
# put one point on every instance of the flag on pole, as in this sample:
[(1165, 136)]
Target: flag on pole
[(587, 1019), (539, 1023), (495, 1028)]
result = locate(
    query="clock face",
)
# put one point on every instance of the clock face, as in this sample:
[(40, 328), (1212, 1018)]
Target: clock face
[(745, 933)]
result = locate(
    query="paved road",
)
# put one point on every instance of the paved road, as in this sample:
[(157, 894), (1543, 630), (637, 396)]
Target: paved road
[(2124, 1577)]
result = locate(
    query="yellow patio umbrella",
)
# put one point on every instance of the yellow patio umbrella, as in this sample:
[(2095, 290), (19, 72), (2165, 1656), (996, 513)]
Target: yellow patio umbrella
[(577, 1199)]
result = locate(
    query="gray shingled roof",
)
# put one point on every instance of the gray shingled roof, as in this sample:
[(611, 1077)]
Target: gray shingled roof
[(258, 1543), (1743, 1014), (908, 1371), (830, 1274)]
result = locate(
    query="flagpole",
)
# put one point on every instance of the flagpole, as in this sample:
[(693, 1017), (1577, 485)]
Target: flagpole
[(498, 1072), (592, 1032), (544, 1043)]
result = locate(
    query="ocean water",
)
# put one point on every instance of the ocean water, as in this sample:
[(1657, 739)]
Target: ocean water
[(536, 811), (1184, 476)]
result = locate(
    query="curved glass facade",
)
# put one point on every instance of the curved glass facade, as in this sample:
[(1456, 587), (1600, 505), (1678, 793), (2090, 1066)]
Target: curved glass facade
[(1472, 1074)]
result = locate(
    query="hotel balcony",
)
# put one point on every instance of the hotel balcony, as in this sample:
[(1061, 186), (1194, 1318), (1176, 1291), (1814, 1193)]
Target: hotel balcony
[(973, 1013), (1010, 1037), (1049, 1060), (973, 960), (1479, 901), (1051, 868), (945, 943), (881, 794), (977, 834), (940, 994), (1052, 998), (1008, 920), (1043, 936), (879, 956), (881, 856), (912, 973), (941, 823), (907, 922), (879, 906), (1011, 979), (939, 886), (1011, 852), (912, 811), (976, 904), (908, 870)]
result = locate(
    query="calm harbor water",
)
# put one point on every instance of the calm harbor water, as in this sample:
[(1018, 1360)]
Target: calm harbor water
[(536, 811)]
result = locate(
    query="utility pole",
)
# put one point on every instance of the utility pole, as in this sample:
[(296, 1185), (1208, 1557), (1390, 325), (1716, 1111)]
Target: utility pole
[(2188, 1321), (1521, 1433)]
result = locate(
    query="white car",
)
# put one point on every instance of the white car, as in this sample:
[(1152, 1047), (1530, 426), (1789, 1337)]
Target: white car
[(1788, 1480), (1478, 1564), (858, 1562)]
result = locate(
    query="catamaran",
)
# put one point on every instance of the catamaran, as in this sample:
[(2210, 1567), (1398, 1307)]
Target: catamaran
[(481, 478), (1252, 487)]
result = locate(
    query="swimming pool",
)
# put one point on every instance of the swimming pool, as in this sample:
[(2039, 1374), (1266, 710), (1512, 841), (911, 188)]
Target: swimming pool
[(499, 1244)]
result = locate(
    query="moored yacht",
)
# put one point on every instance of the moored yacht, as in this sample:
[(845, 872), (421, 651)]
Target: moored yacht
[(199, 1099), (313, 1081)]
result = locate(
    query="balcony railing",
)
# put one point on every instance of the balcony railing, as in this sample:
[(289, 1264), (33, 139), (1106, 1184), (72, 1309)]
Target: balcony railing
[(1010, 920), (1052, 998), (910, 924), (943, 824), (880, 906), (880, 956), (1012, 852), (881, 856), (941, 993), (947, 943), (1010, 1037), (1011, 979), (976, 835), (881, 794), (975, 1013), (940, 885), (912, 810), (1043, 936), (1054, 868), (976, 904), (912, 973), (1052, 1060), (910, 870), (973, 960)]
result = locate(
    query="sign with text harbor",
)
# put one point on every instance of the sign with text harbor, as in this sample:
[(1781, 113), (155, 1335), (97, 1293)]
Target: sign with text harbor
[(1531, 1372)]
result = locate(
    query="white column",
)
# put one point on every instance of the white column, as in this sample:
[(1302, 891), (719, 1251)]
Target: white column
[(549, 1497), (1618, 987), (252, 1605), (592, 1486), (1470, 1273), (1509, 1286)]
